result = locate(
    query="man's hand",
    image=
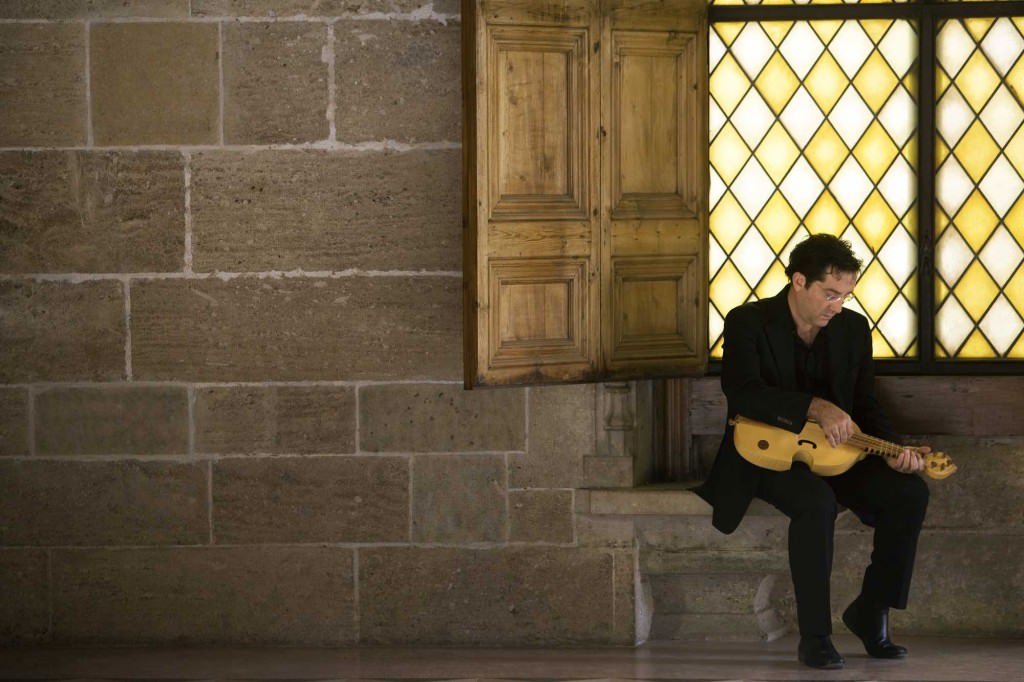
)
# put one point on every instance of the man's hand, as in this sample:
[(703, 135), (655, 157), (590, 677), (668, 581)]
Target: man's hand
[(909, 460), (837, 425)]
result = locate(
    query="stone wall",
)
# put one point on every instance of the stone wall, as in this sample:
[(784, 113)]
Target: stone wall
[(231, 407)]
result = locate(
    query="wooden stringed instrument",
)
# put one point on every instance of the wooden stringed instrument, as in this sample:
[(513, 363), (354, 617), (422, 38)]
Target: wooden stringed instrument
[(773, 448)]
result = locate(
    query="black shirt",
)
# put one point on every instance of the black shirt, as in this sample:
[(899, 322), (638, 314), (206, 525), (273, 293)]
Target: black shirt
[(811, 363)]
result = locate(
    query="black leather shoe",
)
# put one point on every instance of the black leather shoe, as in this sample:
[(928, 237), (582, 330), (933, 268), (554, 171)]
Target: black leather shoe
[(818, 652), (871, 625)]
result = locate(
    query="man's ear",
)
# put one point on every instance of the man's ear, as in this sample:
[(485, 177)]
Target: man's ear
[(799, 280)]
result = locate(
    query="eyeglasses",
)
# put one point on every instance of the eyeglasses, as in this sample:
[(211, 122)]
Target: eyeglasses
[(831, 295), (834, 297)]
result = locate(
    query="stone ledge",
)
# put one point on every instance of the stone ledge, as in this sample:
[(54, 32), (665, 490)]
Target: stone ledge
[(664, 499)]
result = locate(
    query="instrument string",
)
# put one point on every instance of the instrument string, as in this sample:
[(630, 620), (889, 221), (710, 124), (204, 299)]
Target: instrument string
[(873, 444), (882, 447)]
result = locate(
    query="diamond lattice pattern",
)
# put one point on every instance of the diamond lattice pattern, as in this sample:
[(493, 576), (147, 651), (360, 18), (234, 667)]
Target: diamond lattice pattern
[(979, 282), (813, 129)]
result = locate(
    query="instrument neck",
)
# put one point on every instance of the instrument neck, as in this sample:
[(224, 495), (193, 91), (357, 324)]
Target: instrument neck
[(876, 446)]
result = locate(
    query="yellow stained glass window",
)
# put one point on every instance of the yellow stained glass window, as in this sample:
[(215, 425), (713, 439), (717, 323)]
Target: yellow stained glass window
[(979, 218), (813, 129)]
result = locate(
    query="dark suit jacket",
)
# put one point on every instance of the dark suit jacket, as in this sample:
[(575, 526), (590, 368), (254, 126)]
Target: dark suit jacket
[(759, 382)]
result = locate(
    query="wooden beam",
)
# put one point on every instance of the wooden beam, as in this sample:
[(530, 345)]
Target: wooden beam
[(934, 405)]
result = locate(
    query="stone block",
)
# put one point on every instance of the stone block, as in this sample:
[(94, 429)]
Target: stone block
[(643, 609), (14, 427), (42, 69), (561, 435), (204, 595), (269, 329), (275, 83), (84, 212), (124, 502), (670, 500), (311, 499), (440, 418), (689, 544), (447, 7), (540, 516), (93, 9), (708, 594), (314, 210), (302, 8), (603, 531), (707, 627), (25, 596), (112, 420), (765, 561), (275, 419), (631, 620), (154, 83), (398, 81), (986, 492), (502, 596), (682, 533), (608, 472), (966, 583), (59, 331), (459, 499)]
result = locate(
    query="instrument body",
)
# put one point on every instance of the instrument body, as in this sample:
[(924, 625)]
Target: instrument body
[(773, 448)]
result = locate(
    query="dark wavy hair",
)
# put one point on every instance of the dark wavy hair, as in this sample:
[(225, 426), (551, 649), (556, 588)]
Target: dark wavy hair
[(821, 254)]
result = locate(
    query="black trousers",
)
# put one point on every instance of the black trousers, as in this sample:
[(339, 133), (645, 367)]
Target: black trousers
[(892, 502)]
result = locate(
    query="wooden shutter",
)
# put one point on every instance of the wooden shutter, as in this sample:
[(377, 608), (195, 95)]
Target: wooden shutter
[(585, 157)]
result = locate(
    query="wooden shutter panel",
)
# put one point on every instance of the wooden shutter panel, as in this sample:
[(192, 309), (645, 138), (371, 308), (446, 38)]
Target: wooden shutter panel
[(585, 163)]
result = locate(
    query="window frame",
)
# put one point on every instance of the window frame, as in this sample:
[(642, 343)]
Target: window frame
[(926, 14)]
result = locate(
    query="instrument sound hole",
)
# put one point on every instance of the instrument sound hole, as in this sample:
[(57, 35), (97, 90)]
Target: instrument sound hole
[(762, 444)]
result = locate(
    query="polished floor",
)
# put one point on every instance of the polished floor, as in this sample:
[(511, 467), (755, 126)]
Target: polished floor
[(930, 660)]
